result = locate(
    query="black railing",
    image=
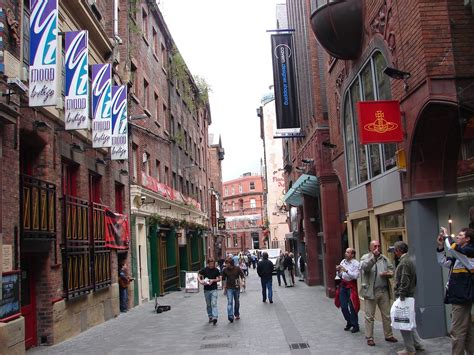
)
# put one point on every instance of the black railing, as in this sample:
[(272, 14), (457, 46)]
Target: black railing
[(101, 261), (76, 247), (38, 209)]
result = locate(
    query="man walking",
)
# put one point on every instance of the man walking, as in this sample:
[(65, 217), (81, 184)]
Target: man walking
[(231, 276), (209, 277), (457, 294), (376, 270), (348, 271), (405, 284), (265, 270), (280, 269)]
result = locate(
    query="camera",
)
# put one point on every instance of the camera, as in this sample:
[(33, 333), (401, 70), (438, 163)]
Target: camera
[(391, 249), (143, 199)]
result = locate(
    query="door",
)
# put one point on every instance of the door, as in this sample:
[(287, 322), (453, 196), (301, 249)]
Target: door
[(28, 300)]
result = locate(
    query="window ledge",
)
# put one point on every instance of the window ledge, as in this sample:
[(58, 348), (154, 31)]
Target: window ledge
[(166, 132), (147, 112), (135, 98), (156, 57), (146, 40), (164, 70)]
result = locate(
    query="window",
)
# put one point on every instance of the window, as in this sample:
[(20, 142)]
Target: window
[(155, 42), (175, 181), (233, 190), (241, 204), (145, 93), (94, 187), (233, 205), (166, 176), (253, 203), (164, 57), (157, 107), (119, 198), (366, 161), (240, 188), (226, 191), (135, 161), (171, 127), (26, 35), (134, 79), (144, 24), (146, 163), (158, 170), (252, 185)]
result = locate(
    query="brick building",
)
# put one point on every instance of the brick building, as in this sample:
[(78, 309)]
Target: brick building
[(244, 213), (422, 57), (56, 188)]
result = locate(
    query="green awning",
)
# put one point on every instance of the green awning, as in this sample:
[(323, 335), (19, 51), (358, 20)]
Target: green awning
[(305, 185)]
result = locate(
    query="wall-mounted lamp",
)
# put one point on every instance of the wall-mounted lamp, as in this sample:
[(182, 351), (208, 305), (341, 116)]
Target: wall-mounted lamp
[(100, 161), (186, 214), (398, 75), (329, 145), (41, 126), (307, 161), (138, 117), (124, 172), (75, 147), (145, 202)]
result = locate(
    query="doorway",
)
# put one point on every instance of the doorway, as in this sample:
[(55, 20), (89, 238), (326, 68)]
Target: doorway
[(28, 300)]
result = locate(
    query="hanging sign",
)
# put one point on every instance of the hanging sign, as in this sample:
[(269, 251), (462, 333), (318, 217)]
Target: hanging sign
[(43, 71), (101, 102), (379, 122), (286, 99), (119, 149), (76, 105)]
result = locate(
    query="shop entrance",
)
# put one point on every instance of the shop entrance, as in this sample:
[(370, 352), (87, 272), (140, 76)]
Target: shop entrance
[(28, 300), (388, 238)]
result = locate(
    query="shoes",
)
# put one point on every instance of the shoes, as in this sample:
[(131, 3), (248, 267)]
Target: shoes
[(231, 319), (355, 329), (370, 342), (271, 301), (237, 317), (419, 348), (347, 327), (405, 352), (391, 339), (264, 301), (214, 321), (210, 319)]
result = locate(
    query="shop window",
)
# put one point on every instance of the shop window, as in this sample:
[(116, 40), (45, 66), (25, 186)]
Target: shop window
[(366, 161), (362, 234), (396, 220)]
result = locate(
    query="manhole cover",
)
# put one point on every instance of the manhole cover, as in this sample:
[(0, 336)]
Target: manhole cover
[(294, 346), (215, 346)]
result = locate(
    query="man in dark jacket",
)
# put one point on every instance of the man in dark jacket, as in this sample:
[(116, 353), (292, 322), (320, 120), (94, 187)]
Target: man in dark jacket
[(405, 285), (461, 278), (265, 270)]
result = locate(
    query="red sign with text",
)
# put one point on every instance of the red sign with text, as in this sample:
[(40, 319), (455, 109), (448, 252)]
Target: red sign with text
[(379, 122)]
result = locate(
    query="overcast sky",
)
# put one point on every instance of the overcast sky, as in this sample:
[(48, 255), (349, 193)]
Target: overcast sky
[(226, 43)]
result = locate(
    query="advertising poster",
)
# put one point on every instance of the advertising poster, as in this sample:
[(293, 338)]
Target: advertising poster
[(43, 71), (119, 149), (76, 102), (101, 105)]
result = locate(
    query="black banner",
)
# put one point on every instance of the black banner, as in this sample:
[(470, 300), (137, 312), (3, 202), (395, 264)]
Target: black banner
[(286, 99)]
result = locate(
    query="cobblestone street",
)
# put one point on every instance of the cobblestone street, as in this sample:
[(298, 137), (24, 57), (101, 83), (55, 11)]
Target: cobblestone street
[(299, 315)]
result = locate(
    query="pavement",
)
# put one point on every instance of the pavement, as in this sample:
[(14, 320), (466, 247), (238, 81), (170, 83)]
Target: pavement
[(302, 320)]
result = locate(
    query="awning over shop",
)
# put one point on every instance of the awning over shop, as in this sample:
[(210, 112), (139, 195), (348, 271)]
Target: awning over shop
[(305, 185)]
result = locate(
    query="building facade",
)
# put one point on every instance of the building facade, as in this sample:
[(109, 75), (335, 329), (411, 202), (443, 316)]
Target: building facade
[(58, 190), (243, 208), (407, 189), (274, 180)]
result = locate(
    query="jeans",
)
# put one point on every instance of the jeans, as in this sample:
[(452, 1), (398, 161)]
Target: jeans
[(412, 340), (211, 303), (233, 302), (347, 308), (267, 285), (281, 274), (123, 294)]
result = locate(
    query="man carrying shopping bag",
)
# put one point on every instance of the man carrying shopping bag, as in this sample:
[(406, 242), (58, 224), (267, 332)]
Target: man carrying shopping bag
[(405, 285)]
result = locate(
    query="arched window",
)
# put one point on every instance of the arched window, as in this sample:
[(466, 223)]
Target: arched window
[(364, 162)]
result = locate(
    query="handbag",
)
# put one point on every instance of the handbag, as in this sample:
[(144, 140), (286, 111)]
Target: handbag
[(403, 314)]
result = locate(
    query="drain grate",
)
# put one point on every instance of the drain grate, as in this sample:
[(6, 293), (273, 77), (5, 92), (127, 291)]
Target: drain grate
[(213, 337), (294, 346), (216, 346)]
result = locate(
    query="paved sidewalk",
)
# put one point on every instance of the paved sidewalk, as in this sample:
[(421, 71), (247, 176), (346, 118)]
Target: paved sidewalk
[(299, 315)]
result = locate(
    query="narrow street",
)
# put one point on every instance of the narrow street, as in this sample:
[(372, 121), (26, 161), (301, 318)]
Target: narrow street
[(299, 315)]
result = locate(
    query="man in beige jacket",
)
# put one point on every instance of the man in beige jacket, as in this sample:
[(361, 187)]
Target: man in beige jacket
[(376, 269)]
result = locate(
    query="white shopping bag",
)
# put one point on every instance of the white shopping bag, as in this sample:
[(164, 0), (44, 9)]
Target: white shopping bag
[(402, 314)]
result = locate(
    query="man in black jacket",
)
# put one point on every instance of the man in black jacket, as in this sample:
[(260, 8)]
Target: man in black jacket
[(265, 270)]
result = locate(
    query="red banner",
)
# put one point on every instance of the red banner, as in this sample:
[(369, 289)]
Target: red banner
[(117, 235), (379, 122)]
